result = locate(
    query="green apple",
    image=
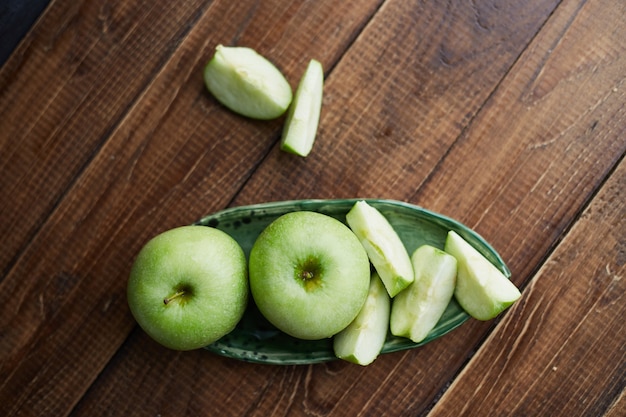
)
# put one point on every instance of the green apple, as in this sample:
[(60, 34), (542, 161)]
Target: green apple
[(309, 275), (363, 339), (304, 114), (383, 246), (417, 309), (247, 83), (188, 286), (481, 289)]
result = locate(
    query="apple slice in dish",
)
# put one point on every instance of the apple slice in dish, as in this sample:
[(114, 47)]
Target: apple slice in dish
[(304, 113), (417, 309), (383, 246), (482, 290), (363, 339), (255, 339), (247, 83)]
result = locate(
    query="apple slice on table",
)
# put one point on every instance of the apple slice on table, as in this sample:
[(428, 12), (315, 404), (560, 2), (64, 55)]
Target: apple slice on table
[(188, 286), (383, 246), (304, 114), (309, 274), (247, 83), (363, 339), (481, 289), (417, 309)]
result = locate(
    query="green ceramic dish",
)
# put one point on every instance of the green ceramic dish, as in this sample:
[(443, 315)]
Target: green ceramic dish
[(256, 340)]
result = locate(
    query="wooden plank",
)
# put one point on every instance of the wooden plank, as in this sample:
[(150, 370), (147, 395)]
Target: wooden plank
[(400, 99), (204, 382), (617, 408), (62, 302), (544, 156), (84, 66), (526, 186), (332, 388), (357, 389), (62, 92), (560, 352)]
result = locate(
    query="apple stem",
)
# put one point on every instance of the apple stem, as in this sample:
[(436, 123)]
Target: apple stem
[(172, 297), (307, 275)]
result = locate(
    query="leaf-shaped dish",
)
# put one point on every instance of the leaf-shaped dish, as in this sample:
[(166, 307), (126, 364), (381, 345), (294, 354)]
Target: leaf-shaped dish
[(256, 340)]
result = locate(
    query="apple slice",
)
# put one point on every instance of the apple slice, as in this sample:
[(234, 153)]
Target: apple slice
[(417, 309), (383, 246), (481, 289), (304, 114), (363, 339), (247, 83)]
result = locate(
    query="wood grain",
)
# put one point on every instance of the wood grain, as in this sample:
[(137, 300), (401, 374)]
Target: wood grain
[(562, 347), (543, 159), (316, 389), (506, 116), (66, 88), (400, 98), (542, 133), (65, 91), (185, 153)]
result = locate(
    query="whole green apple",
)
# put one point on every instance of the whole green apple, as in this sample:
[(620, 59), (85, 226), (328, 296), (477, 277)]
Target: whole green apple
[(309, 274), (188, 286)]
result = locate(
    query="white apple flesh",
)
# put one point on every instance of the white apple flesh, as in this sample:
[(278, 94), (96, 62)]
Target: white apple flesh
[(417, 309), (188, 287), (247, 83), (383, 246), (304, 113), (309, 275), (362, 341), (481, 289)]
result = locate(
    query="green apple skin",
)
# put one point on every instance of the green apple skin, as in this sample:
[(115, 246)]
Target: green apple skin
[(247, 83), (383, 246), (481, 289), (304, 113), (309, 275), (417, 309), (362, 341), (188, 286)]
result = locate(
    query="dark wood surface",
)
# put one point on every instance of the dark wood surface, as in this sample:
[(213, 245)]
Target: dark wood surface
[(507, 116)]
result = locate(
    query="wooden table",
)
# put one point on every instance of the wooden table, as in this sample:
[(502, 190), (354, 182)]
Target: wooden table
[(507, 116)]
